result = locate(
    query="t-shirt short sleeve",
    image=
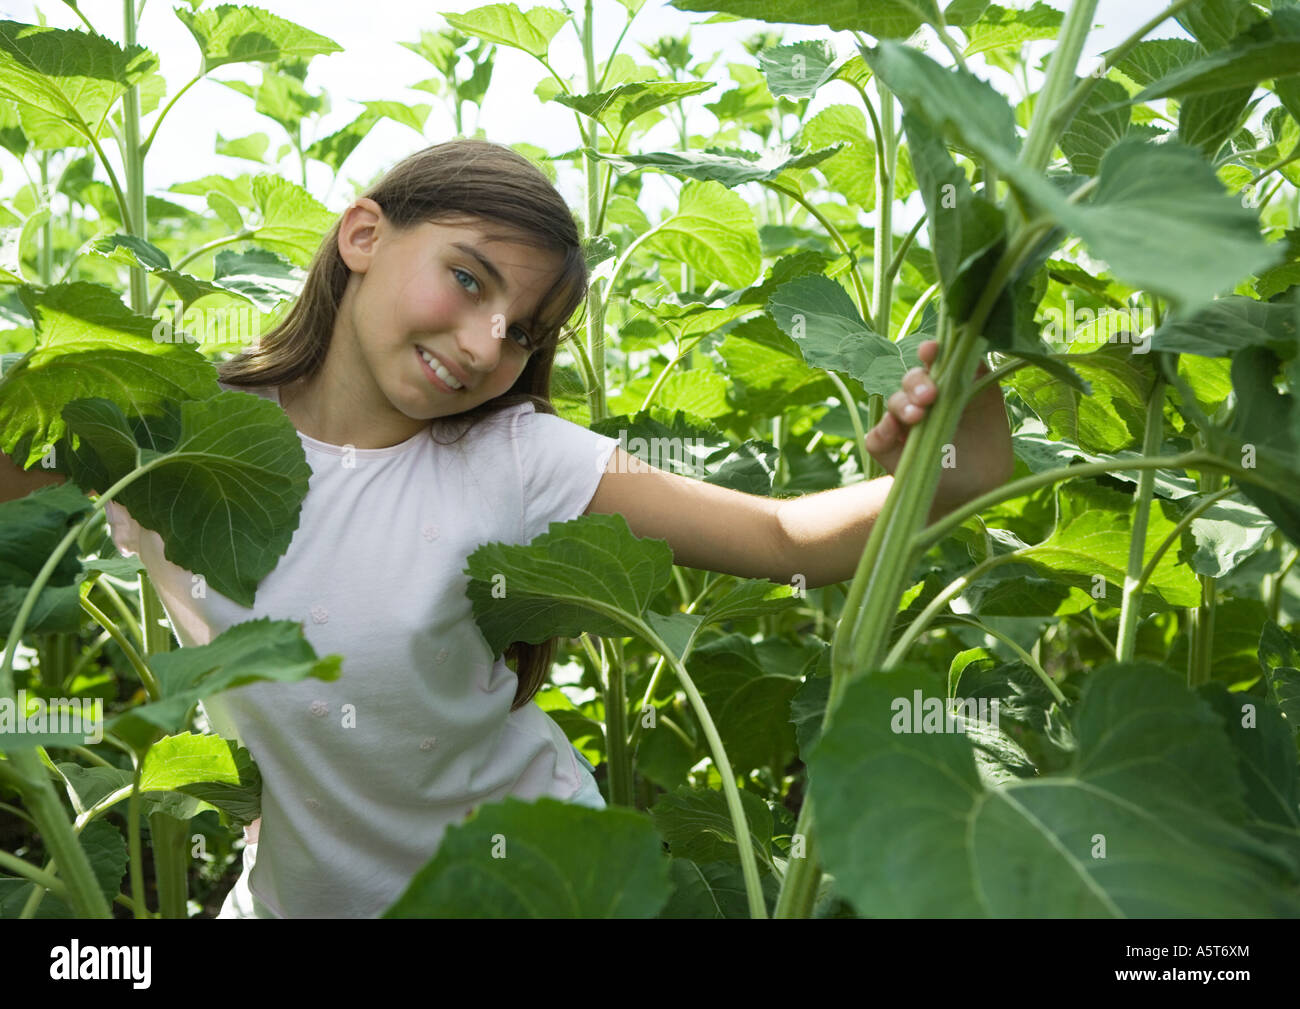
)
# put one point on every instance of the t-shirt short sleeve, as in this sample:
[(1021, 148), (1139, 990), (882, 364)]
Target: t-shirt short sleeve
[(561, 463)]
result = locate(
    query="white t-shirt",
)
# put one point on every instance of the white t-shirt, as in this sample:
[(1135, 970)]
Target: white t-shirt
[(362, 776)]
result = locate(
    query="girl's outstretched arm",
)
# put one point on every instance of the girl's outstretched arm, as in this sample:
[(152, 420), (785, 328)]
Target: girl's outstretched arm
[(819, 536)]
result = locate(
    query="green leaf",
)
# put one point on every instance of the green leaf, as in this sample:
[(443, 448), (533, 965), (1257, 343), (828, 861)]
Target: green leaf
[(851, 171), (967, 232), (712, 890), (713, 231), (250, 148), (507, 25), (132, 251), (224, 484), (249, 652), (1153, 198), (1000, 27), (798, 70), (1215, 23), (1106, 417), (175, 761), (546, 859), (1206, 120), (749, 703), (677, 443), (1266, 50), (74, 76), (1158, 787), (697, 825), (818, 314), (1279, 657), (616, 108), (1265, 759), (293, 221), (230, 33), (1091, 539), (881, 18), (1230, 324), (1098, 126), (30, 528), (964, 109), (588, 574), (263, 277), (728, 166), (1264, 436), (91, 345)]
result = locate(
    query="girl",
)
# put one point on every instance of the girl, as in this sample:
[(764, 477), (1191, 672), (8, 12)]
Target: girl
[(434, 308)]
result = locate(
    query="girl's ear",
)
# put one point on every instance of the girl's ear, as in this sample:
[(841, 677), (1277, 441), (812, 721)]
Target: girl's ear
[(358, 231)]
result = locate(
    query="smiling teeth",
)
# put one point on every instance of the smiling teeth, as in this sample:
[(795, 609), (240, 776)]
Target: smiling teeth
[(440, 371)]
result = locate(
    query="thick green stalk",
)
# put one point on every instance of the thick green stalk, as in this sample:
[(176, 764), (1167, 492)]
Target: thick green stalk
[(1126, 638), (133, 157), (170, 840), (596, 400), (1038, 147)]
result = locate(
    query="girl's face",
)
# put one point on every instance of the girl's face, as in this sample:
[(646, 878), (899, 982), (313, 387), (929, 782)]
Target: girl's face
[(437, 313)]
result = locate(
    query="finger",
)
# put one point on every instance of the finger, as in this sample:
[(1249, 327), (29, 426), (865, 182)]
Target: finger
[(885, 434), (901, 407), (919, 387)]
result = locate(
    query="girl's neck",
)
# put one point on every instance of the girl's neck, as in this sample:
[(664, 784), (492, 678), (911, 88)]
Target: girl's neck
[(333, 414)]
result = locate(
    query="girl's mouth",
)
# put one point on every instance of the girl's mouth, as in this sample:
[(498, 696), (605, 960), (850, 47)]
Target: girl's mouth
[(436, 373)]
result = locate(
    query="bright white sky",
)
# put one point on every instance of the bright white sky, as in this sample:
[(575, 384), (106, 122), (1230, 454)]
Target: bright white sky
[(374, 66)]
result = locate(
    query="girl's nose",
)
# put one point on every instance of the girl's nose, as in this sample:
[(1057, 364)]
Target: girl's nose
[(480, 343)]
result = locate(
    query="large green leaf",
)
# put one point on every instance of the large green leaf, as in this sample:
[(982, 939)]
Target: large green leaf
[(967, 232), (748, 701), (91, 345), (1098, 126), (713, 231), (818, 314), (588, 574), (1151, 199), (1091, 540), (881, 18), (999, 27), (1146, 822), (74, 76), (293, 221), (546, 859), (1230, 324), (223, 482), (30, 528), (964, 109), (231, 33), (729, 167), (616, 108), (1279, 658), (852, 171), (697, 825), (797, 71), (1264, 436), (249, 652), (1266, 50), (507, 25)]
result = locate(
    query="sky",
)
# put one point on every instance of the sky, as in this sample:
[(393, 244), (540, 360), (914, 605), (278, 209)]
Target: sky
[(373, 65)]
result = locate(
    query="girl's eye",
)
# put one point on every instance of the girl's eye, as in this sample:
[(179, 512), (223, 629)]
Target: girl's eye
[(462, 273), (525, 340)]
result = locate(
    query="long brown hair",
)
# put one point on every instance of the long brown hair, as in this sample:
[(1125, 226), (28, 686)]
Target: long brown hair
[(460, 179)]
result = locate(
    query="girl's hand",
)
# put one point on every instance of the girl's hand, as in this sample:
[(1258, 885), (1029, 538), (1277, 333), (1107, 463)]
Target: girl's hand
[(981, 444)]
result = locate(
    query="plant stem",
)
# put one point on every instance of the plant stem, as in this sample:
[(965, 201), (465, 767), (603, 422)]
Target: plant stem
[(1126, 637), (595, 294), (134, 164), (740, 823), (169, 839), (1043, 127), (616, 751), (132, 656)]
